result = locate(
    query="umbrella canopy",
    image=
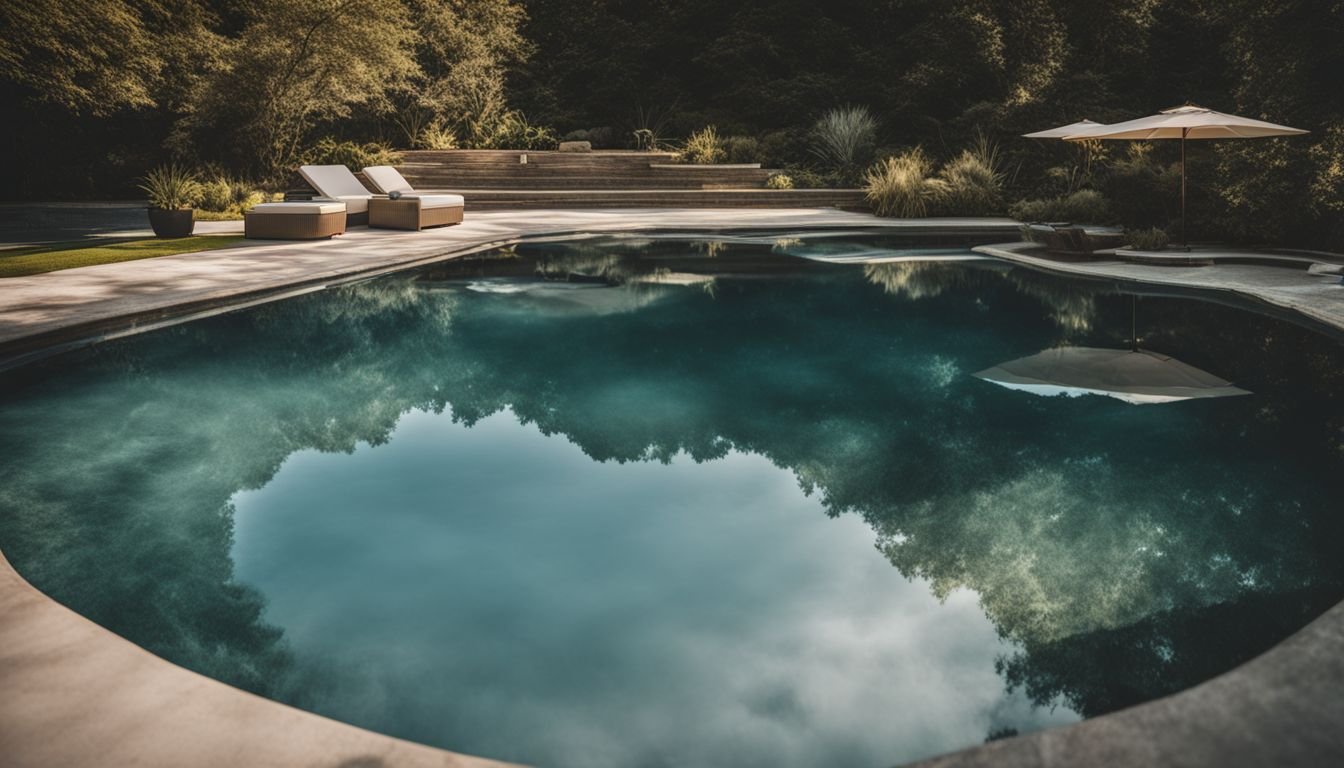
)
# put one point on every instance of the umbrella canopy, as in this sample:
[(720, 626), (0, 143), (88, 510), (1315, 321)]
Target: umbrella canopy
[(1064, 131), (1187, 122), (1134, 376)]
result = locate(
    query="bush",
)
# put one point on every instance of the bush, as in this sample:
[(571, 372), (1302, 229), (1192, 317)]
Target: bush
[(779, 181), (843, 139), (1144, 192), (902, 185), (509, 129), (228, 198), (704, 147), (1151, 239), (973, 183), (600, 138), (742, 150), (171, 188), (329, 151), (436, 136), (806, 178), (216, 195), (1085, 206)]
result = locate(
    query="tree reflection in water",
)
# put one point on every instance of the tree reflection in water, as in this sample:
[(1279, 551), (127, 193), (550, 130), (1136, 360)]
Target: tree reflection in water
[(1127, 552)]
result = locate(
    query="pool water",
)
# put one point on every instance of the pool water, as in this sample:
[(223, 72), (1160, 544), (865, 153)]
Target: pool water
[(702, 501)]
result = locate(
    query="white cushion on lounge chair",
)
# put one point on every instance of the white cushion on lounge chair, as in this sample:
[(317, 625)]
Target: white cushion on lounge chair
[(353, 203), (317, 207), (386, 179), (334, 181), (438, 201)]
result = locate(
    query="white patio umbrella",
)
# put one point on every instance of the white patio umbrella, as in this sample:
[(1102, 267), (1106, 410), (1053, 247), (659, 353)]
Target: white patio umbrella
[(1135, 376), (1064, 131), (1187, 122)]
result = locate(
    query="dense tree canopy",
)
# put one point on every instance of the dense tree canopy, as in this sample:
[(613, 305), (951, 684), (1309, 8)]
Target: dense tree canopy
[(114, 87)]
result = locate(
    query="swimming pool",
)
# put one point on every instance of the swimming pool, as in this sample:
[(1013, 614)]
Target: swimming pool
[(642, 501)]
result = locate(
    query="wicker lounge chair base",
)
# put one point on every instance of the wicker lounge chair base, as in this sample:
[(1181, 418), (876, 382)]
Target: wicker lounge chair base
[(409, 213), (294, 221)]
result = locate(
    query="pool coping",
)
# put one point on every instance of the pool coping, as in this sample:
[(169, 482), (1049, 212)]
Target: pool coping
[(1279, 708)]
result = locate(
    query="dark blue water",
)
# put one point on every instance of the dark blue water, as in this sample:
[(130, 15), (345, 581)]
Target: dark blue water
[(683, 504)]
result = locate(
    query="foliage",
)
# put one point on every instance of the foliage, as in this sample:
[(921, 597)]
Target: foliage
[(1152, 239), (843, 139), (227, 197), (1145, 192), (509, 129), (356, 157), (296, 64), (171, 187), (436, 136), (94, 60), (33, 261), (464, 50), (779, 181), (902, 185), (806, 178), (742, 149), (704, 147), (1084, 206), (972, 182)]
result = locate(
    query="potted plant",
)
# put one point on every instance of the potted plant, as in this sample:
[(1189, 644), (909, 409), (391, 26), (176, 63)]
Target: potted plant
[(172, 192)]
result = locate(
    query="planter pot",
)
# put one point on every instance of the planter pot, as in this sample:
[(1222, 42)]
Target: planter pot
[(165, 223)]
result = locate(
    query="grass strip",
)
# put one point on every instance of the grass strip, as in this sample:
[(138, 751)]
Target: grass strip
[(49, 258)]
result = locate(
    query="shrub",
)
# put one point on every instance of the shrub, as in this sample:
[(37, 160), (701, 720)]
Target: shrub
[(742, 149), (973, 183), (329, 151), (600, 138), (704, 147), (843, 139), (216, 195), (779, 181), (171, 187), (1143, 192), (806, 178), (509, 129), (1085, 205), (901, 185), (436, 136), (227, 198), (1151, 239)]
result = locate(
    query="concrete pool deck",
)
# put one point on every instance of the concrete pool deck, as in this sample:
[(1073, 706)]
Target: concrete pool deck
[(75, 694)]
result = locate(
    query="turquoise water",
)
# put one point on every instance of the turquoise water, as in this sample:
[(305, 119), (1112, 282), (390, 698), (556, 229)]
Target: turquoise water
[(683, 503)]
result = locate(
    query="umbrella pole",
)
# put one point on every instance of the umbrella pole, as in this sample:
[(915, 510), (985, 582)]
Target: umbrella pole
[(1185, 243)]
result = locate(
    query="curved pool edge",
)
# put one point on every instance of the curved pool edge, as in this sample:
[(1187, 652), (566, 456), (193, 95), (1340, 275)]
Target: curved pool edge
[(1317, 300), (76, 694), (1282, 708)]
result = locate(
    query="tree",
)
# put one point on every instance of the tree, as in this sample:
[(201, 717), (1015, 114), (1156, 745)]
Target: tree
[(297, 64), (94, 60), (465, 50)]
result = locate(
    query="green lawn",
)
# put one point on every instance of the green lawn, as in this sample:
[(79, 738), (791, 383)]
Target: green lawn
[(49, 258)]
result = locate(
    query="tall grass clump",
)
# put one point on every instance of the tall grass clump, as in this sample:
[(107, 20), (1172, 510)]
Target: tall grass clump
[(973, 184), (903, 185), (843, 139), (171, 188), (704, 147)]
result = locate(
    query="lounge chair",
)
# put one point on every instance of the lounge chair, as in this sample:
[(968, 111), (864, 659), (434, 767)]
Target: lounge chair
[(336, 182), (413, 210)]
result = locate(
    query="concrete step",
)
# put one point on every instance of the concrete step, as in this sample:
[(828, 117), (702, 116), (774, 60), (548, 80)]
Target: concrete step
[(496, 199)]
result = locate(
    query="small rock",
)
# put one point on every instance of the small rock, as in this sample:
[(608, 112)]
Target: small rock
[(576, 146)]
